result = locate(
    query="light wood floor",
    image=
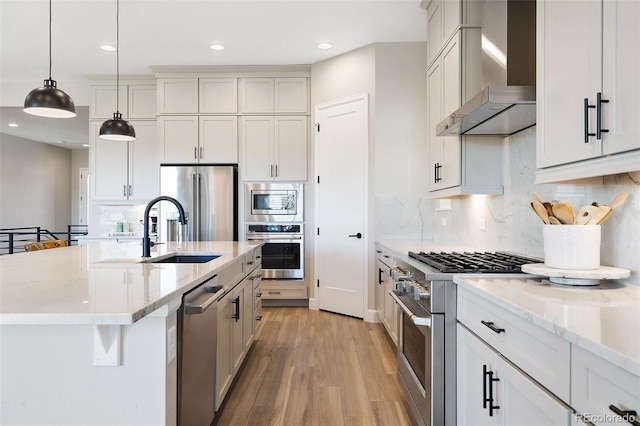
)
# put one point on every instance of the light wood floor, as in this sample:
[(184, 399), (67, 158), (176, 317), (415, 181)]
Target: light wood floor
[(316, 368)]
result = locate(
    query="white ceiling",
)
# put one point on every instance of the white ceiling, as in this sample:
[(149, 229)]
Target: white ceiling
[(178, 33)]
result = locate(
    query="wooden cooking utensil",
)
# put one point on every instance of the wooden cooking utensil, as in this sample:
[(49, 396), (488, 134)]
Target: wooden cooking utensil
[(547, 206), (540, 211), (563, 211), (619, 200), (599, 217), (554, 221), (584, 214), (536, 197)]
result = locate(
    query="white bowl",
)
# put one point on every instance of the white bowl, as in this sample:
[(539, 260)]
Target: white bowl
[(571, 246)]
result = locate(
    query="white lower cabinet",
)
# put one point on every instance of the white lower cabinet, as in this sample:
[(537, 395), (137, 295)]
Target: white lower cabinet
[(492, 391), (235, 325), (601, 392), (386, 307)]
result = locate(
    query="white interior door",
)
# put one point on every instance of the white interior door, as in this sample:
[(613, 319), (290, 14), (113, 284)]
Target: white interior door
[(341, 205)]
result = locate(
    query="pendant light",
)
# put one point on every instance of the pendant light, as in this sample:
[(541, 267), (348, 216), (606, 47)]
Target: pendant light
[(49, 101), (117, 129)]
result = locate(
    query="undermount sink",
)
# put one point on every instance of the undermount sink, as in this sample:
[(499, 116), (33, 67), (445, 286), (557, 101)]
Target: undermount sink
[(185, 258)]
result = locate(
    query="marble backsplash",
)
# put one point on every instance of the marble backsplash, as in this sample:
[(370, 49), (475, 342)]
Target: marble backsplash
[(510, 223)]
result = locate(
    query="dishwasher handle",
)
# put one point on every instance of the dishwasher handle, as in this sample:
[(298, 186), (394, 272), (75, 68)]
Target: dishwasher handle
[(194, 309), (419, 321)]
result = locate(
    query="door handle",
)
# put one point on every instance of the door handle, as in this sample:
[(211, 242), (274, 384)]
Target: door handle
[(358, 235)]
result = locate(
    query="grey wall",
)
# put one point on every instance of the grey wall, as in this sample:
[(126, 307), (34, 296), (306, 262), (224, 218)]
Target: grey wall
[(79, 159), (35, 184)]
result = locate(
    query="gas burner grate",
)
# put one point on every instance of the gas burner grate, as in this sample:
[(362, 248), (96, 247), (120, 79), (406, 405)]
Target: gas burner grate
[(474, 262)]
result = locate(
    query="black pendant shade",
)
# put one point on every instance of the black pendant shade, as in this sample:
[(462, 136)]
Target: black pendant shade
[(49, 101), (117, 129)]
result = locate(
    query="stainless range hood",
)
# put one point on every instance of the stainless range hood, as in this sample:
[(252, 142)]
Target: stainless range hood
[(507, 105)]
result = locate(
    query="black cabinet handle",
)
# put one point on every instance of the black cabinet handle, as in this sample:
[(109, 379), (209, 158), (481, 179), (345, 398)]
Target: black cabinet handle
[(629, 416), (599, 102), (436, 172), (586, 120), (484, 386), (492, 327), (236, 302), (358, 235), (491, 406), (379, 276)]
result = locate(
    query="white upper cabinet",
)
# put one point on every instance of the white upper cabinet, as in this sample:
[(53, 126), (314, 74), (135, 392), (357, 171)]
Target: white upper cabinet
[(588, 89), (218, 95), (444, 17), (193, 139), (273, 148), (136, 101), (266, 95), (125, 170), (177, 95)]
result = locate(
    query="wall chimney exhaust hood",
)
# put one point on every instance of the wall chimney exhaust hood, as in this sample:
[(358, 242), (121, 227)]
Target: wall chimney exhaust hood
[(507, 104)]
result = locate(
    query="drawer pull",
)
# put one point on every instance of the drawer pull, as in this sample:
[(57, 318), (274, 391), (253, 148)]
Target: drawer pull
[(274, 292), (629, 416), (492, 327)]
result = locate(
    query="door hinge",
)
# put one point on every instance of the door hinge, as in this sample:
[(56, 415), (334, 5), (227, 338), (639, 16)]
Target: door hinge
[(318, 179), (318, 231), (318, 127), (318, 284)]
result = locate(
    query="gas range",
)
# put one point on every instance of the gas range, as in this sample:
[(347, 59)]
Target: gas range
[(474, 262)]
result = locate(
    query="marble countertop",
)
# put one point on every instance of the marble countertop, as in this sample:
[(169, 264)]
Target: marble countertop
[(605, 321), (102, 282)]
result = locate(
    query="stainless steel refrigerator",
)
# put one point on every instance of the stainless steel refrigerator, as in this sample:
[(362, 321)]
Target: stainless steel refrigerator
[(209, 195)]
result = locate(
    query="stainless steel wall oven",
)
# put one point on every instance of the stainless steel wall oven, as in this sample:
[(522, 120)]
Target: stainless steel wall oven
[(283, 249)]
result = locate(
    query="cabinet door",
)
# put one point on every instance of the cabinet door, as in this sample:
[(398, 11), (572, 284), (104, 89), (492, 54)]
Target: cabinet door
[(434, 29), (434, 114), (255, 95), (291, 148), (524, 402), (257, 302), (390, 308), (451, 171), (256, 148), (379, 289), (110, 159), (144, 169), (219, 95), (142, 101), (237, 339), (474, 360), (103, 102), (621, 68), (218, 139), (177, 95), (224, 366), (568, 72), (247, 312), (291, 95), (178, 139)]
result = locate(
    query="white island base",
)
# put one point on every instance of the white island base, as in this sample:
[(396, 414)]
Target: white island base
[(50, 376)]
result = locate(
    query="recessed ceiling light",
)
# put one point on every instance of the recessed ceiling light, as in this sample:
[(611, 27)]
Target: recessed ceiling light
[(62, 141), (108, 47), (325, 46), (85, 145), (13, 124), (216, 47)]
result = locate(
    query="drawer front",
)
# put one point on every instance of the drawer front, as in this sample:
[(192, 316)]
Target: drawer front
[(539, 353), (283, 292), (599, 388)]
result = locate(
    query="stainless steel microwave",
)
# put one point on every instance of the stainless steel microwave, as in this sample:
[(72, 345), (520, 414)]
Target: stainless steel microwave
[(274, 202)]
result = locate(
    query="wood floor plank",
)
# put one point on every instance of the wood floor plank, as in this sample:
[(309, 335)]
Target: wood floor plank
[(310, 368)]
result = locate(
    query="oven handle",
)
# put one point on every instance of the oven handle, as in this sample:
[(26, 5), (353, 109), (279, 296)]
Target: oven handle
[(420, 321), (249, 238)]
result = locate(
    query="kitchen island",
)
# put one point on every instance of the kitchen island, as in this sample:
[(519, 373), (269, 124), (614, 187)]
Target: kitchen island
[(88, 334)]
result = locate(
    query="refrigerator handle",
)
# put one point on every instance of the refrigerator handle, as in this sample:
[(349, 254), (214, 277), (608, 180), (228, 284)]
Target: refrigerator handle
[(195, 236)]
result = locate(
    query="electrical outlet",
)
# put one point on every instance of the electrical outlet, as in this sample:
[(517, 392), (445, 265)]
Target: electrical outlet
[(483, 224), (172, 344)]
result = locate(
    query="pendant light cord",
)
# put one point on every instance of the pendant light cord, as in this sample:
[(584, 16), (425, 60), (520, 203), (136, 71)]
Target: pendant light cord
[(117, 56), (49, 39)]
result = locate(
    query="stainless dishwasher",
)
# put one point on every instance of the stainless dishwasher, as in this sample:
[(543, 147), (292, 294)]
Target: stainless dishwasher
[(197, 353)]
